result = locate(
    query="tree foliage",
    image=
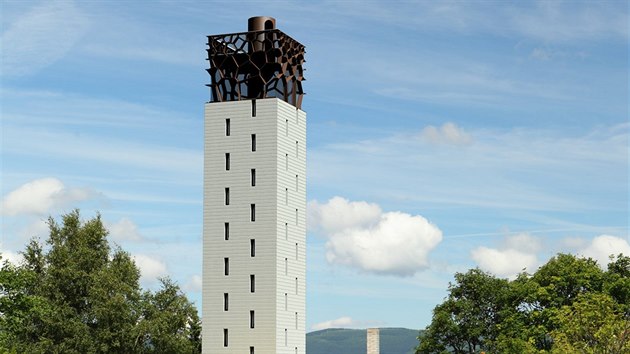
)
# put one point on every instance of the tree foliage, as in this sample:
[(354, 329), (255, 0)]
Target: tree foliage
[(570, 305), (76, 295)]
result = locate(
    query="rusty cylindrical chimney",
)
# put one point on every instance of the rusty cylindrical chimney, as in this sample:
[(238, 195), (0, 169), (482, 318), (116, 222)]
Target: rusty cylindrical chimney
[(261, 23), (257, 24)]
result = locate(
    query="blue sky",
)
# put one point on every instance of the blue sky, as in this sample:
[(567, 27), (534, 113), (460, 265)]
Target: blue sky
[(442, 136)]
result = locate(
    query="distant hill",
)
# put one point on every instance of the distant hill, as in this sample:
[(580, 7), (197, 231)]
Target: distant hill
[(353, 341)]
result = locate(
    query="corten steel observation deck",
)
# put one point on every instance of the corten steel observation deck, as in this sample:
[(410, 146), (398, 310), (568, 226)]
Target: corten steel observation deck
[(261, 63)]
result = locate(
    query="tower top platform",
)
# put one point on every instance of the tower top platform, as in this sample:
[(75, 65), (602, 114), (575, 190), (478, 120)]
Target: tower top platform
[(263, 62)]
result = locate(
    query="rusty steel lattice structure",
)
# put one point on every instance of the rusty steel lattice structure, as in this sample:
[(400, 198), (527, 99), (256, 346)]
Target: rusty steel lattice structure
[(256, 64)]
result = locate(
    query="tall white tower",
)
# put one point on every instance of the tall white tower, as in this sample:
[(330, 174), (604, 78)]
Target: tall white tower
[(254, 233)]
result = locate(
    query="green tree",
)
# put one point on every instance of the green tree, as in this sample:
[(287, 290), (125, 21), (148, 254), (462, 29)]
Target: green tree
[(76, 295), (569, 305), (617, 283), (466, 321), (594, 323)]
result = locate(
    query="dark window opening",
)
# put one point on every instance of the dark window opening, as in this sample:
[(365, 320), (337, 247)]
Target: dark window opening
[(227, 196), (252, 247), (227, 127), (252, 283), (253, 211), (251, 319), (225, 337), (226, 229), (225, 301), (226, 266), (251, 350), (253, 142), (253, 177), (227, 161), (253, 108)]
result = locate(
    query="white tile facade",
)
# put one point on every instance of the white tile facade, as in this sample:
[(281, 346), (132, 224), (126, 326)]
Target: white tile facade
[(279, 228)]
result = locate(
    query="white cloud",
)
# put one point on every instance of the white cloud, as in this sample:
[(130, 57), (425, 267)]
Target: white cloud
[(12, 257), (41, 36), (124, 230), (194, 284), (41, 196), (573, 243), (360, 235), (517, 169), (150, 268), (601, 247), (338, 214), (345, 322), (562, 21), (522, 242), (103, 149), (449, 134), (341, 322), (37, 228), (517, 252)]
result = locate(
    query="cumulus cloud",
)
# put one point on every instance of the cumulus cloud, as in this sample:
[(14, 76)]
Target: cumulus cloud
[(41, 196), (517, 252), (360, 235), (601, 247), (448, 134), (339, 214), (41, 36), (12, 257), (150, 268), (194, 284), (124, 230)]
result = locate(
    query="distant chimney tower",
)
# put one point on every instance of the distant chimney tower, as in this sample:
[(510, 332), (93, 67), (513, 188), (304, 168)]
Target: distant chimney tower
[(373, 341)]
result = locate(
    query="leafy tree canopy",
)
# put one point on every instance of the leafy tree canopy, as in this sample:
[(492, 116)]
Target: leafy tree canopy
[(76, 294), (570, 305)]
